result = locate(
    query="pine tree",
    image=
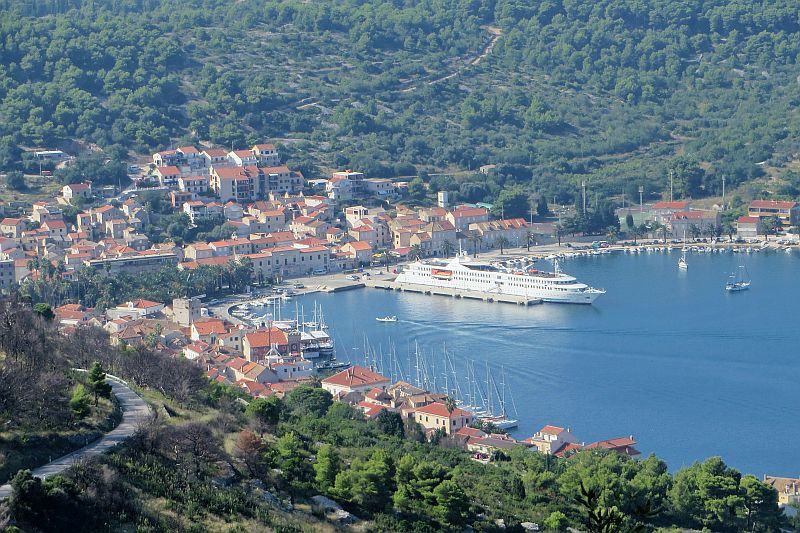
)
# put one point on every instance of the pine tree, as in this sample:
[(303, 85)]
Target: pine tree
[(80, 402), (97, 382), (326, 467)]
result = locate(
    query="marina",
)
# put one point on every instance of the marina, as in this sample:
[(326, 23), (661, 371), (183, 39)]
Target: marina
[(665, 354)]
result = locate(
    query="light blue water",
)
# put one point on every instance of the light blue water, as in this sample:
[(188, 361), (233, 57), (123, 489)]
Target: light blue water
[(667, 356)]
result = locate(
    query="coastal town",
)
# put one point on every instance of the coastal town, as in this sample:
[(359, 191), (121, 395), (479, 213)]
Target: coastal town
[(279, 229)]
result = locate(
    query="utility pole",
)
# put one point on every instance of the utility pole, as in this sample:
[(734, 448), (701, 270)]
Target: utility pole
[(583, 185), (641, 202)]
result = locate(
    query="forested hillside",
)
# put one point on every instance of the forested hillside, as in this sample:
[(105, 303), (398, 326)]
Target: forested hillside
[(612, 92)]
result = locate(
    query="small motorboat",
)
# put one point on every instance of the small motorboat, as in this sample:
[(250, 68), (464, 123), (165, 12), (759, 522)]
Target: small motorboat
[(386, 318)]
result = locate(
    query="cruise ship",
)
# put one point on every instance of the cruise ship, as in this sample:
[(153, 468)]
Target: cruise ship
[(464, 273)]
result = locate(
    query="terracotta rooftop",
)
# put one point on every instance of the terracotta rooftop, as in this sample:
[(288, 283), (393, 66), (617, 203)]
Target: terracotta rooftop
[(356, 376)]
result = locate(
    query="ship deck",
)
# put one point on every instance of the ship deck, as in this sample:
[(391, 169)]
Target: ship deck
[(451, 292)]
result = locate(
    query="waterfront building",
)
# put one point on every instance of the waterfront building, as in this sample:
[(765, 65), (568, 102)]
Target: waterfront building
[(436, 416), (662, 212), (551, 439), (787, 212), (622, 445), (788, 489), (493, 443), (747, 227), (685, 221)]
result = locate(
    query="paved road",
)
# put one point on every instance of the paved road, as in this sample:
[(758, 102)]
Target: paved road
[(134, 411)]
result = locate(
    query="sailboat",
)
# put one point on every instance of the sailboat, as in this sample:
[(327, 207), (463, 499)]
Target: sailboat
[(682, 264), (738, 281), (501, 418)]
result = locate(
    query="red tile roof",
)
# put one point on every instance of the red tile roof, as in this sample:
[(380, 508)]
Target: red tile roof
[(282, 169), (568, 449), (168, 171), (470, 432), (692, 215), (262, 338), (356, 376), (440, 409), (469, 212), (747, 220), (771, 204), (552, 430), (371, 410), (209, 326), (622, 445), (359, 246)]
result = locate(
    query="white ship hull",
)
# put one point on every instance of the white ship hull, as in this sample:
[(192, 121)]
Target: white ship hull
[(463, 274)]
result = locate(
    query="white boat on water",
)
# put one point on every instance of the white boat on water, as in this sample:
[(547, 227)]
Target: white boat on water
[(465, 273), (682, 264), (386, 318), (501, 421), (738, 281)]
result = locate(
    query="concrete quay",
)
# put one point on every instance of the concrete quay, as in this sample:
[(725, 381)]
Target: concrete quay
[(451, 292)]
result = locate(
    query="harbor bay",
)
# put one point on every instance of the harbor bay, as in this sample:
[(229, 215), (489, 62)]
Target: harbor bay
[(666, 355)]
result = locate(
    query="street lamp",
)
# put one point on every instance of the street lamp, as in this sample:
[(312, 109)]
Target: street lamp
[(641, 202)]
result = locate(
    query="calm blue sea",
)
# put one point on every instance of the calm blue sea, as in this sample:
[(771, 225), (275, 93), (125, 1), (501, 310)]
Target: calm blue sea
[(667, 356)]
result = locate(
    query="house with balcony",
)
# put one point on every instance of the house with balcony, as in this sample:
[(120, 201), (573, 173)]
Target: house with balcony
[(787, 212), (788, 489), (551, 439), (266, 154)]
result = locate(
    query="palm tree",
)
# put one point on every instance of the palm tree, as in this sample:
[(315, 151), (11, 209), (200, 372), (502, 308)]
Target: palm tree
[(502, 242), (530, 237), (448, 248), (450, 403), (415, 253), (657, 227), (476, 239), (612, 233), (729, 230), (633, 232), (386, 256)]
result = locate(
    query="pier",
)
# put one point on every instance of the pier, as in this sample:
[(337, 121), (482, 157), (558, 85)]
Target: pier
[(451, 292)]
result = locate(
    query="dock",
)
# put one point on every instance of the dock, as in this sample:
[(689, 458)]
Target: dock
[(451, 292)]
